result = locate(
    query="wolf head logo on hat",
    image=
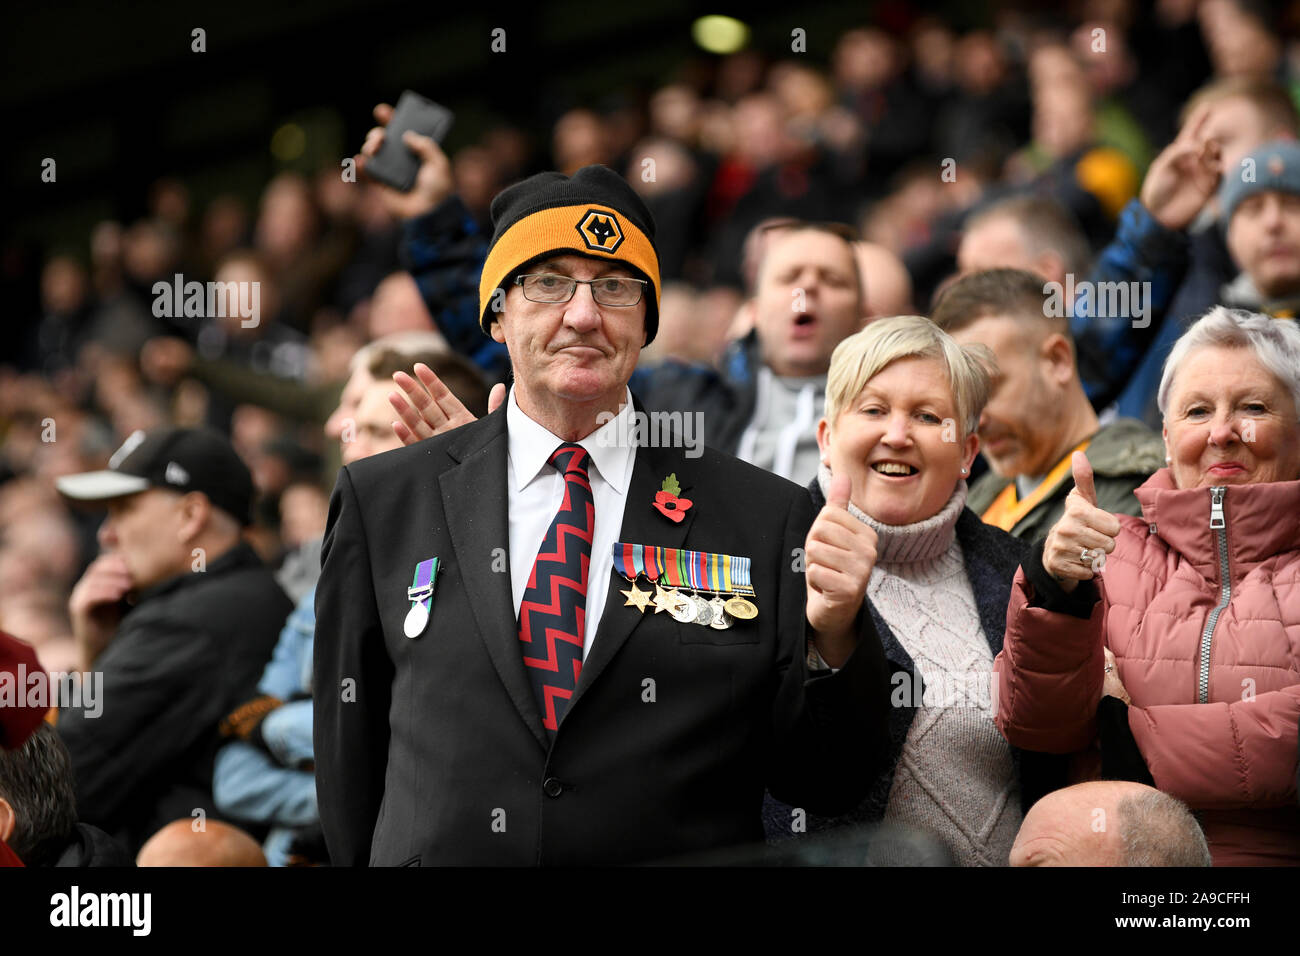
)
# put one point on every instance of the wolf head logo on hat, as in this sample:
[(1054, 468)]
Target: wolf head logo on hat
[(600, 231), (593, 213)]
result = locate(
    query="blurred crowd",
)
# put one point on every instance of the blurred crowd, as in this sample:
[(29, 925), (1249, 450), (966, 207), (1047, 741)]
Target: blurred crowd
[(908, 134)]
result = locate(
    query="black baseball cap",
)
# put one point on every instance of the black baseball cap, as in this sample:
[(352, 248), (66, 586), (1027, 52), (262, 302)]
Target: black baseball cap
[(180, 459)]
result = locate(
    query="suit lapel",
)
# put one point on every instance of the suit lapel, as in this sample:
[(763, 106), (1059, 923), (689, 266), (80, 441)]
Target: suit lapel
[(642, 524), (476, 502)]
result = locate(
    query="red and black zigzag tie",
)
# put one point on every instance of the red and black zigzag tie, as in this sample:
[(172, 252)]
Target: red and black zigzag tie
[(552, 615)]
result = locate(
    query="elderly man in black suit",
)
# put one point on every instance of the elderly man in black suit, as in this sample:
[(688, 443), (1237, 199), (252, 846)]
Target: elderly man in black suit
[(543, 639)]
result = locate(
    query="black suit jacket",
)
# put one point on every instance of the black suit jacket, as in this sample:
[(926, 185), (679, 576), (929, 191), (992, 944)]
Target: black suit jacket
[(431, 750)]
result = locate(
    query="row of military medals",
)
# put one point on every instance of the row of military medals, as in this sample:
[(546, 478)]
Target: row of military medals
[(688, 575)]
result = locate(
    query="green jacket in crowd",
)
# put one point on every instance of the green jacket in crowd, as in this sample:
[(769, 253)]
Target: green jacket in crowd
[(1123, 454)]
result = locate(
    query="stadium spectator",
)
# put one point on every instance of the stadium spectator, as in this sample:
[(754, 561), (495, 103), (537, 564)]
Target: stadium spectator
[(903, 399), (1038, 414), (177, 613), (38, 809), (886, 285), (443, 245), (1174, 237), (762, 403), (1024, 232), (264, 775), (1109, 823), (1198, 595), (212, 843), (1049, 106)]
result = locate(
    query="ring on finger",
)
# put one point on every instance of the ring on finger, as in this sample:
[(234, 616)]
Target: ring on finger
[(1085, 557)]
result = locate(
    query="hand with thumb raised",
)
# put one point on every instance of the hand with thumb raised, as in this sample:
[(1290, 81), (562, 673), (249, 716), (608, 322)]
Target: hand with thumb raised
[(1083, 482), (840, 553), (1077, 545), (840, 488)]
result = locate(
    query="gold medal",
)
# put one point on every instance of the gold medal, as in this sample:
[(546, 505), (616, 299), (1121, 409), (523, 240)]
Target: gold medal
[(665, 600), (738, 607), (637, 598)]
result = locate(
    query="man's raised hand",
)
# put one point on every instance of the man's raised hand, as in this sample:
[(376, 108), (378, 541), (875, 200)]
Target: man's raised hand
[(1075, 546), (433, 181), (1183, 178), (429, 408), (94, 606)]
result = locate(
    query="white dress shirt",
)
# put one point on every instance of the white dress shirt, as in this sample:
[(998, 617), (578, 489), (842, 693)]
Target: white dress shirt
[(536, 491)]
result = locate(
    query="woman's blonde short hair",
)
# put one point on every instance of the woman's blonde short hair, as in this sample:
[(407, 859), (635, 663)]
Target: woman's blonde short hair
[(862, 355)]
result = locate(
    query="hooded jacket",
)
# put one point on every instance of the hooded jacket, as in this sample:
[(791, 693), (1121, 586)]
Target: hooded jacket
[(1200, 603)]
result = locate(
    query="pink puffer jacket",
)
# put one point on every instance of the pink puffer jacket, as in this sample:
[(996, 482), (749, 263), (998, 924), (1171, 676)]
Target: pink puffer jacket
[(1200, 604)]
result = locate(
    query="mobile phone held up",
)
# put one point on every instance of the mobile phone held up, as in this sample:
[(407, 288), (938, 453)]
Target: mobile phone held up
[(394, 164)]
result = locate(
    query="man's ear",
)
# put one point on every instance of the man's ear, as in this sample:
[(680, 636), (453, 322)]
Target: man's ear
[(196, 509), (1057, 354), (8, 820), (497, 332)]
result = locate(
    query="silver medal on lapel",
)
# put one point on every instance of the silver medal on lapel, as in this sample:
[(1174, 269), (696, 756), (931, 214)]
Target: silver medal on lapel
[(417, 618), (420, 594)]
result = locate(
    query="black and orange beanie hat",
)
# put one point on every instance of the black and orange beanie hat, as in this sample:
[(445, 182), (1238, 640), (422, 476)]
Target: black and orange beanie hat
[(593, 213)]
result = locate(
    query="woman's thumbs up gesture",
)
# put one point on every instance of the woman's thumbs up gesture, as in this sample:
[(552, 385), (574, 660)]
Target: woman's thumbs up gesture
[(840, 552), (1077, 545)]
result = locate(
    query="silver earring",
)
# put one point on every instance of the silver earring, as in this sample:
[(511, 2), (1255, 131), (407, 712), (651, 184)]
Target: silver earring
[(1168, 460), (963, 470)]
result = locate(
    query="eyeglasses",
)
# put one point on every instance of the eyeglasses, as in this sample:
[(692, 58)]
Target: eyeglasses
[(618, 291)]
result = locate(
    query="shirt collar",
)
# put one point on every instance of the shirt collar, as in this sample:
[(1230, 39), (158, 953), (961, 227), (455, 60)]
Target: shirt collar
[(531, 444)]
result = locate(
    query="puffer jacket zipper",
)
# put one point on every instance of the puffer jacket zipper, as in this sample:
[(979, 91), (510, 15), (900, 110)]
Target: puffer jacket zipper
[(1219, 525)]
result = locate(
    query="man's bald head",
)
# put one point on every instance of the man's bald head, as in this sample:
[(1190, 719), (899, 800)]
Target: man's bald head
[(1109, 823), (1024, 232), (217, 844), (886, 283), (398, 306)]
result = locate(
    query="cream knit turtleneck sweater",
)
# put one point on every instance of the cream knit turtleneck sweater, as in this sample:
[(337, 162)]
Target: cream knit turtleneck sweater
[(955, 778)]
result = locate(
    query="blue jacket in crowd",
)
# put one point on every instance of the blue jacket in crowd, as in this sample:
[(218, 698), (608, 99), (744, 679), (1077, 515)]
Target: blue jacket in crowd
[(275, 785)]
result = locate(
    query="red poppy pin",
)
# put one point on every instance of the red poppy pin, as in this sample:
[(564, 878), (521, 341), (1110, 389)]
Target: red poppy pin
[(667, 501)]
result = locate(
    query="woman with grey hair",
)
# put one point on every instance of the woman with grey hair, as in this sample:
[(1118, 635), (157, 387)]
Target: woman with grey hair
[(895, 549), (1183, 626)]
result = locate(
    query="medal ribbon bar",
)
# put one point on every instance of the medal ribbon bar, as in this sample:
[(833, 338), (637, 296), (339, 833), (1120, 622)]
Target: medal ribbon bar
[(680, 568)]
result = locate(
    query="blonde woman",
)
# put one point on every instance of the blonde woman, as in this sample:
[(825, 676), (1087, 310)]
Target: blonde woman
[(897, 441)]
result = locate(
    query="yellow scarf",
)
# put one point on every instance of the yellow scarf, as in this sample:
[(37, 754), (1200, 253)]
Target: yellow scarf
[(1006, 511)]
